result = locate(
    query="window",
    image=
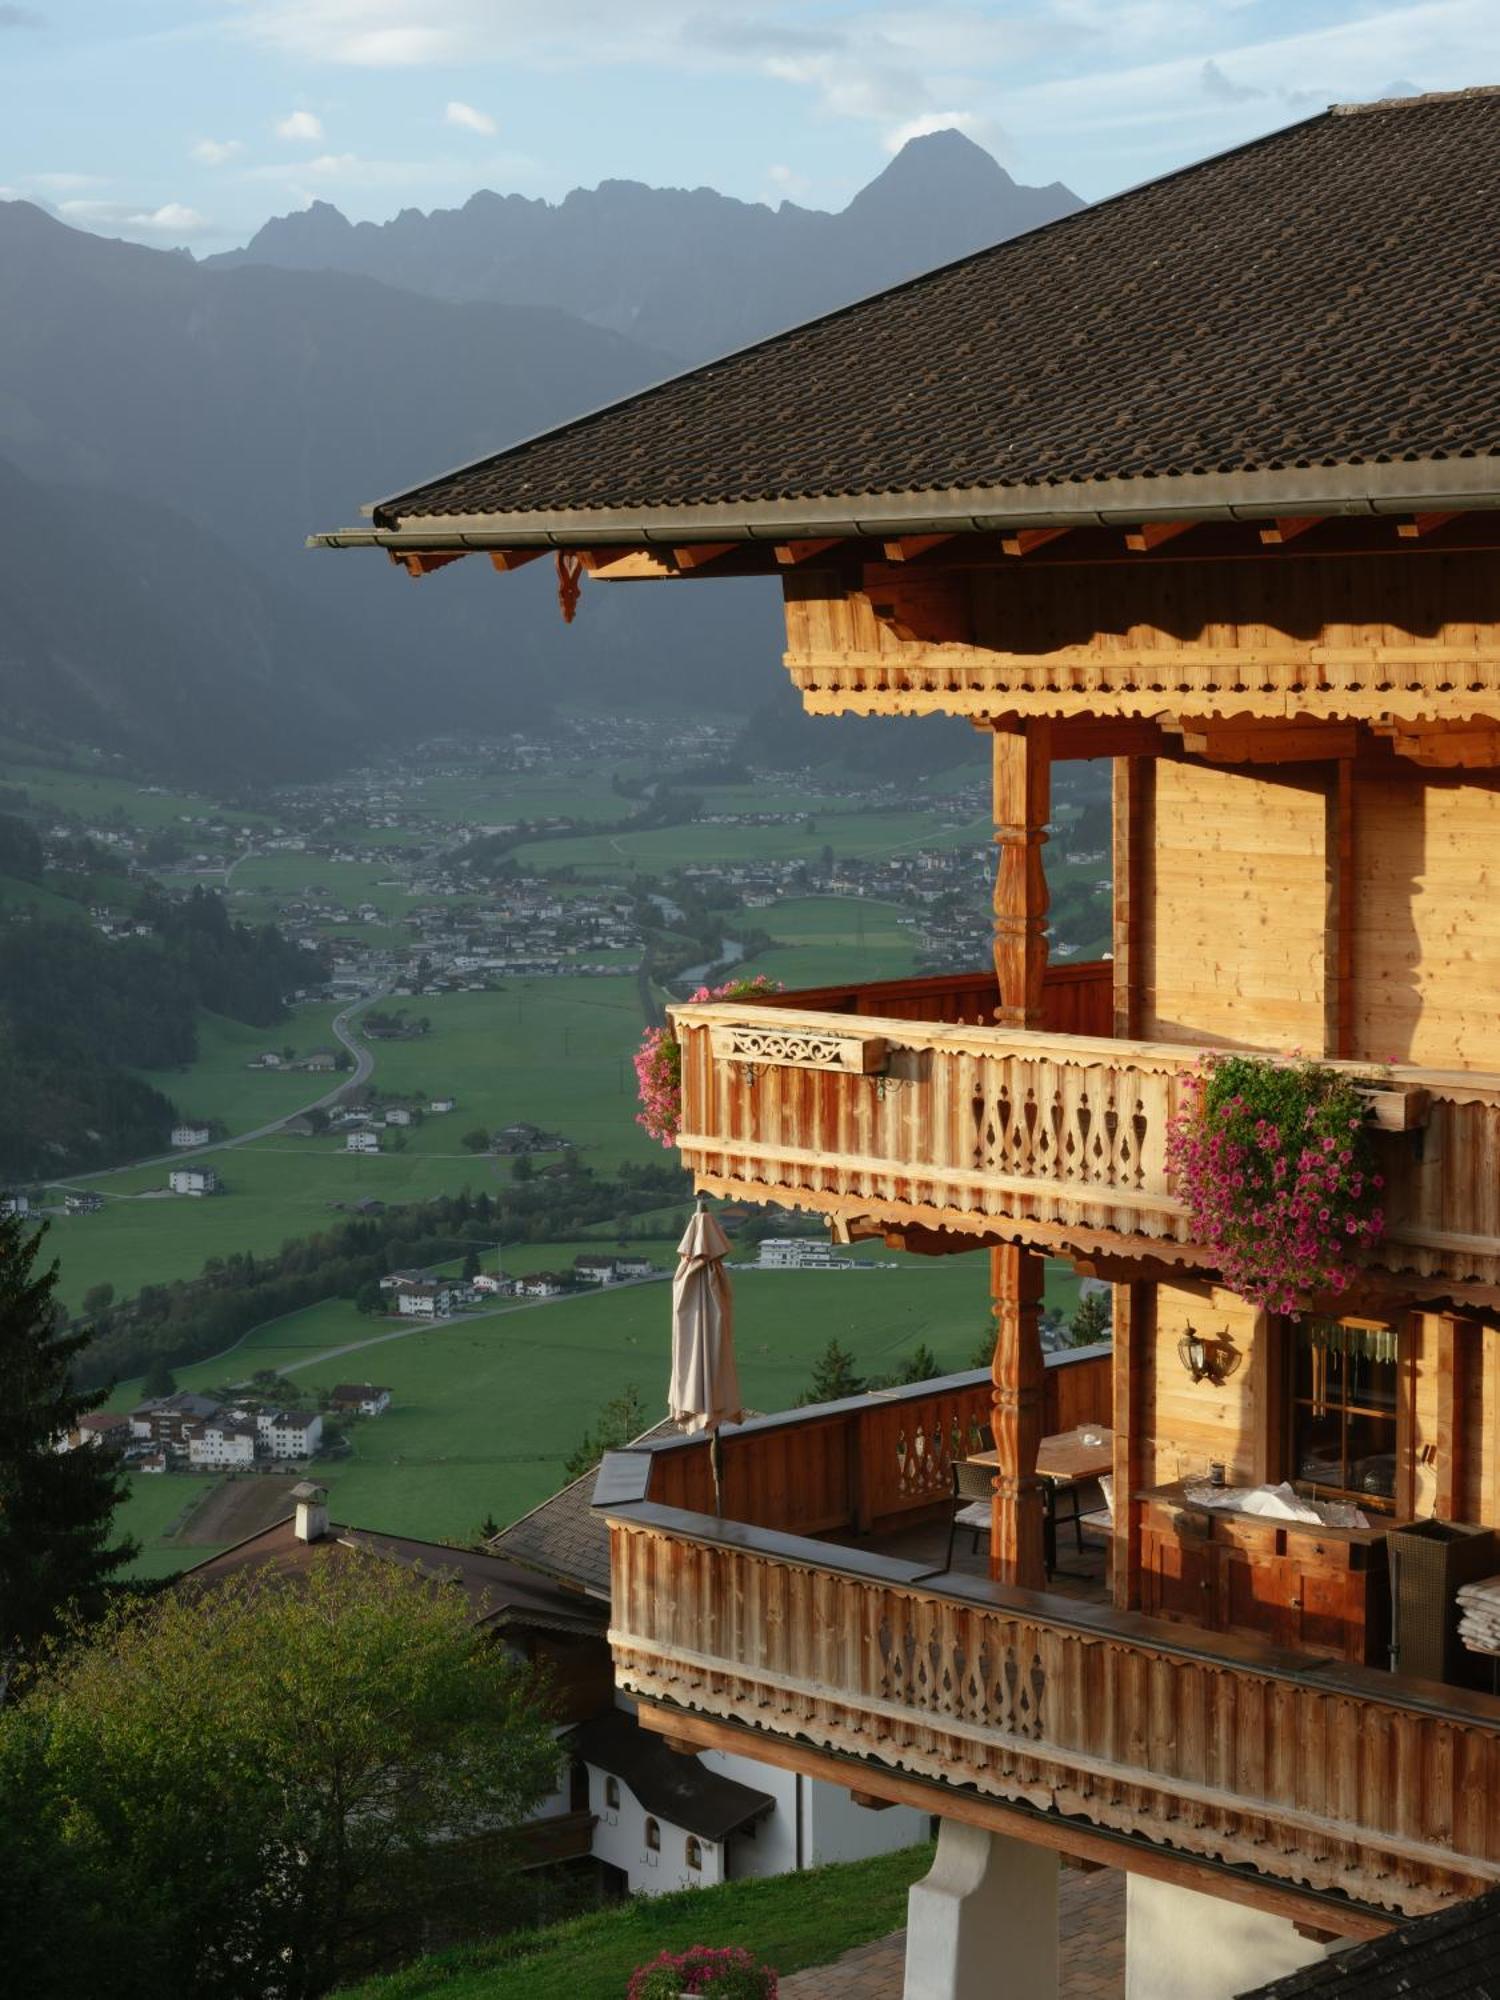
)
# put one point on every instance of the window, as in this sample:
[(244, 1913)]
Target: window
[(694, 1852), (653, 1836), (612, 1794), (1343, 1417)]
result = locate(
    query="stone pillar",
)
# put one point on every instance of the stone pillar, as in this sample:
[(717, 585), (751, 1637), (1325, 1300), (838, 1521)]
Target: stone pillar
[(1183, 1945), (983, 1924), (1018, 1376)]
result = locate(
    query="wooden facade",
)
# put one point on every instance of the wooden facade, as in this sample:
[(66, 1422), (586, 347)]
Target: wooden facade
[(1304, 720)]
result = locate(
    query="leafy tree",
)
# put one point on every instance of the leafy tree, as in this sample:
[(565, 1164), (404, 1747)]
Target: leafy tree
[(257, 1791), (471, 1266), (477, 1141), (98, 1299), (984, 1351), (622, 1418), (523, 1169), (489, 1527), (56, 1508), (919, 1366), (369, 1298), (158, 1380), (833, 1377), (1090, 1321)]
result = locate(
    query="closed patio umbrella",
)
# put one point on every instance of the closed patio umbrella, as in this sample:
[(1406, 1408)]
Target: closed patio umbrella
[(705, 1389)]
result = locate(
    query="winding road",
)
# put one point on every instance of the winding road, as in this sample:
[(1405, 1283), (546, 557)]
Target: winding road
[(364, 1064)]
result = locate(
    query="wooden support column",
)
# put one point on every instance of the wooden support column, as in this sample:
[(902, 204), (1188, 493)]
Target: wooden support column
[(1131, 777), (1023, 805), (1452, 1353), (1018, 1375), (1338, 957), (1132, 1352)]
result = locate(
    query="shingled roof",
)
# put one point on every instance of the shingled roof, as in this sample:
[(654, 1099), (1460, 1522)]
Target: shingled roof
[(1454, 1955), (1314, 314)]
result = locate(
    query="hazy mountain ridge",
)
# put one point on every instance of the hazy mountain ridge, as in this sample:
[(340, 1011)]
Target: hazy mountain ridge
[(689, 271), (170, 431)]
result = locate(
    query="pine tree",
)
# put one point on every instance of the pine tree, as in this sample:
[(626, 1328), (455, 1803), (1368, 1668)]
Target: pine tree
[(471, 1266), (56, 1508), (158, 1379), (1091, 1320), (833, 1376), (919, 1366)]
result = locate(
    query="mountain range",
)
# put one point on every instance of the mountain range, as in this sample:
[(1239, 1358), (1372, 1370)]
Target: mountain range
[(170, 430)]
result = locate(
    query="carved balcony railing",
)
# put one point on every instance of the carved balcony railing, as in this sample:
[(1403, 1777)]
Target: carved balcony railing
[(1321, 1777), (1049, 1137)]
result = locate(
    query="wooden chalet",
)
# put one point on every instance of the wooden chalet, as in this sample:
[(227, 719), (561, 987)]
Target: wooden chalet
[(1204, 480)]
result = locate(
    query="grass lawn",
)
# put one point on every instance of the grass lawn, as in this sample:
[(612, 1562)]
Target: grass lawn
[(217, 1084), (158, 1504), (790, 1921), (828, 940), (554, 1052), (848, 834)]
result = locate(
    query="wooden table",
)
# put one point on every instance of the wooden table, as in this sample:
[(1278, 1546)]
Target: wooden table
[(1065, 1462), (1065, 1459)]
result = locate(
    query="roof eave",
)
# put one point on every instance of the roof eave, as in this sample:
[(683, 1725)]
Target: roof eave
[(1456, 485)]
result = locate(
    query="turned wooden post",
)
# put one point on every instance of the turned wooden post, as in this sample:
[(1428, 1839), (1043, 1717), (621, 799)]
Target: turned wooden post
[(1017, 1373), (1023, 805)]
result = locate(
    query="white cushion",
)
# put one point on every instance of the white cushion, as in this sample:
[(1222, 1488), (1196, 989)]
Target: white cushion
[(976, 1516)]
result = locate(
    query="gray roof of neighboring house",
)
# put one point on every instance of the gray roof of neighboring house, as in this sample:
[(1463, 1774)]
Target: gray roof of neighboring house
[(1454, 1955), (1311, 312), (669, 1784), (564, 1536)]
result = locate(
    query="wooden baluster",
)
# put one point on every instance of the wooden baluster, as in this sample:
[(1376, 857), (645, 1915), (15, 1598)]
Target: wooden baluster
[(1022, 806), (1016, 1513)]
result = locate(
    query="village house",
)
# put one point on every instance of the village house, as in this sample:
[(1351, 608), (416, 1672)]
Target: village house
[(220, 1441), (800, 1253), (190, 1135), (363, 1399), (593, 1269), (424, 1298), (362, 1142), (82, 1202), (495, 1284), (289, 1433), (13, 1202), (441, 1104), (397, 1114), (542, 1285), (109, 1428), (165, 1420), (193, 1180), (1201, 480)]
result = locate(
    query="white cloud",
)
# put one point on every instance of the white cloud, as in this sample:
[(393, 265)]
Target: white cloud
[(173, 218), (470, 119), (215, 152), (787, 181), (300, 125), (66, 183), (932, 121)]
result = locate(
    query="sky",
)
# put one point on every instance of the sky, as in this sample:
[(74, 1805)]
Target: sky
[(188, 122)]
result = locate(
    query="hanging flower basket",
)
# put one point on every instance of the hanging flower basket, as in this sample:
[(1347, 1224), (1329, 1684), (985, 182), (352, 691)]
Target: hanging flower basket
[(1277, 1168), (728, 1973), (658, 1061)]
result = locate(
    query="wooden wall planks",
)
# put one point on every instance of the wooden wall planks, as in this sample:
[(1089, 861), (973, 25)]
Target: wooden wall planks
[(1233, 936)]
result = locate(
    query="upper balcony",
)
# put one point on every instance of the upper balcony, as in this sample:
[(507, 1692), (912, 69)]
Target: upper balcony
[(903, 1105), (814, 1622)]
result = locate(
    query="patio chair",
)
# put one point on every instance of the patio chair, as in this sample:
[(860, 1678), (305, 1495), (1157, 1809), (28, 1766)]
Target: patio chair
[(1102, 1518), (973, 1488)]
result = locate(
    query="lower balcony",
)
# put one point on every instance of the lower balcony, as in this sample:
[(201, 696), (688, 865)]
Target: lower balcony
[(812, 1622), (903, 1106)]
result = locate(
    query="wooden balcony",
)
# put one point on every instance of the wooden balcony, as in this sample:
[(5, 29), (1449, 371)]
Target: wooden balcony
[(905, 1105), (1114, 1736)]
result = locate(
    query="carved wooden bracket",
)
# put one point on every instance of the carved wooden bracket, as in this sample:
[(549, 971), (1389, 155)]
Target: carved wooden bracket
[(1395, 1107), (799, 1048)]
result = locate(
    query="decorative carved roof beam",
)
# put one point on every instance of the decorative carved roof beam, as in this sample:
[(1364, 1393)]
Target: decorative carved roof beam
[(1270, 742), (1446, 746), (506, 560), (697, 554), (422, 562), (1021, 541), (1151, 534), (909, 547), (789, 554), (624, 565), (1286, 528), (1422, 524)]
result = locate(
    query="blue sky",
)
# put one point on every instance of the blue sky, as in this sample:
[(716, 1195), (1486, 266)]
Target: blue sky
[(190, 121)]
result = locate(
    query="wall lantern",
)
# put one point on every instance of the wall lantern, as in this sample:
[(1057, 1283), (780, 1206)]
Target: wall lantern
[(1207, 1358)]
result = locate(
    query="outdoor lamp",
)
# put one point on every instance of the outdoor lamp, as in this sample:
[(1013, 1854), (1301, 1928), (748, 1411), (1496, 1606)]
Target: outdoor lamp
[(1207, 1360)]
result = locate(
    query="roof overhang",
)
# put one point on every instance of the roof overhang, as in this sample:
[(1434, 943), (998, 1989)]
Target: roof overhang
[(1432, 485)]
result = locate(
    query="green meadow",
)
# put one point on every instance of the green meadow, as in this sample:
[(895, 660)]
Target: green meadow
[(486, 1408), (219, 1085)]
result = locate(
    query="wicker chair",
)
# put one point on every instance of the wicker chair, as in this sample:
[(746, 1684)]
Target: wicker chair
[(973, 1487)]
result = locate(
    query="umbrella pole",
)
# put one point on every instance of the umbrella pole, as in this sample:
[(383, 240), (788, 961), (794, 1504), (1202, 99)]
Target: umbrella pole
[(716, 1466)]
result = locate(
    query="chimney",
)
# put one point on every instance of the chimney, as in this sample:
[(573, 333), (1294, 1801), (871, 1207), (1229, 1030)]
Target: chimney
[(312, 1511)]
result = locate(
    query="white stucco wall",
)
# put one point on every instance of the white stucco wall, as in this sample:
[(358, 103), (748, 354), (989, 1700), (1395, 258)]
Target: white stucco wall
[(1180, 1945), (620, 1839), (834, 1828), (843, 1831)]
